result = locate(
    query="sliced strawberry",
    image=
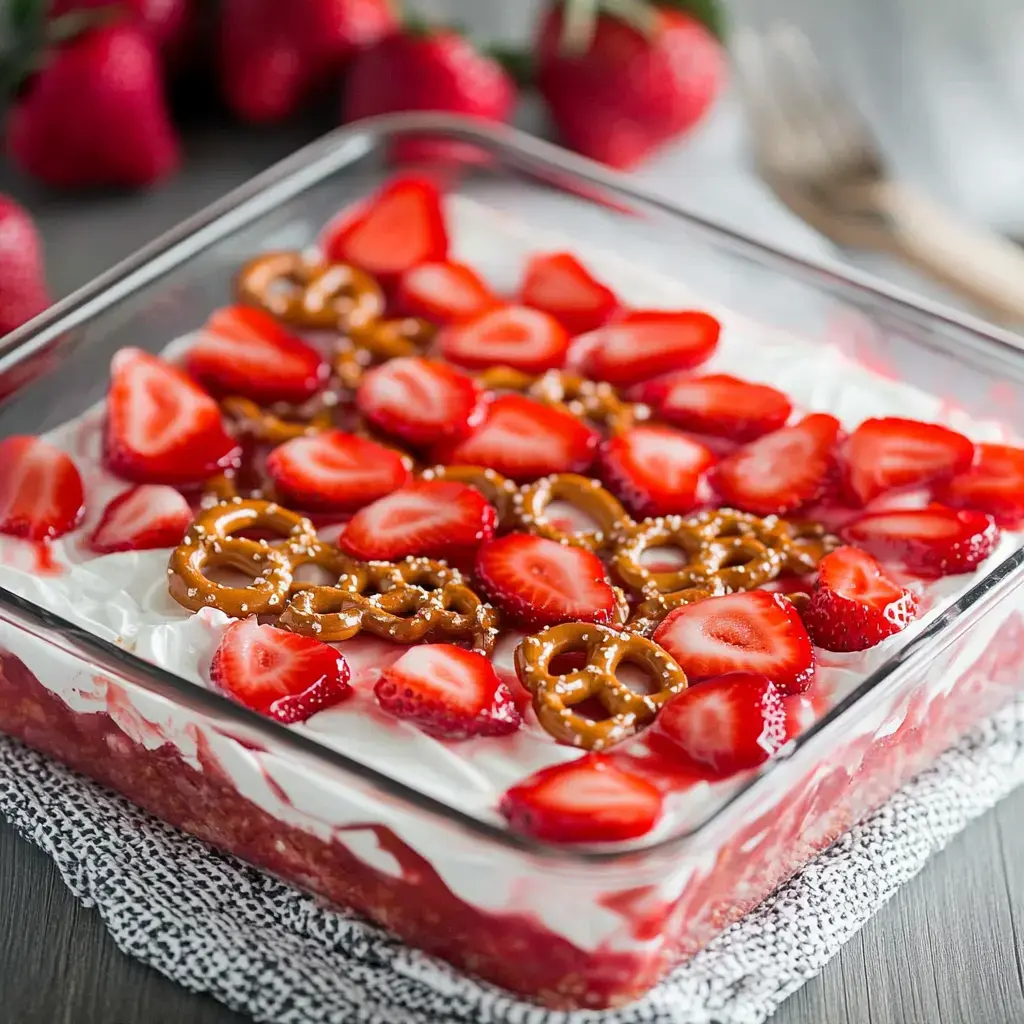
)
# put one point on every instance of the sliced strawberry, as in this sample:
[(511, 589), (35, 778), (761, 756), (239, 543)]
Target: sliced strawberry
[(933, 541), (241, 350), (433, 518), (559, 284), (749, 632), (994, 484), (399, 227), (730, 723), (419, 400), (524, 440), (646, 344), (539, 582), (282, 675), (589, 800), (162, 428), (448, 692), (884, 454), (654, 471), (148, 516), (335, 471), (782, 471), (444, 293), (517, 336), (41, 494)]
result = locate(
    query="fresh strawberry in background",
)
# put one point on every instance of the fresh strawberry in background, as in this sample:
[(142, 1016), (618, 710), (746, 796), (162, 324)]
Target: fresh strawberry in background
[(23, 291)]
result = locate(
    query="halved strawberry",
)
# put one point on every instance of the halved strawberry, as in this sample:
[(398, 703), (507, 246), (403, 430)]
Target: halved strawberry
[(242, 350), (539, 582), (433, 518), (559, 284), (41, 493), (884, 454), (932, 541), (419, 400), (399, 227), (448, 692), (748, 632), (730, 723), (589, 800), (782, 471), (162, 428), (523, 439), (282, 675), (654, 471), (517, 336), (148, 516), (646, 344), (994, 484), (335, 471), (444, 293)]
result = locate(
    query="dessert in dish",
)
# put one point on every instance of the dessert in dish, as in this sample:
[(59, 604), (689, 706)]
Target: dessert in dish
[(561, 552)]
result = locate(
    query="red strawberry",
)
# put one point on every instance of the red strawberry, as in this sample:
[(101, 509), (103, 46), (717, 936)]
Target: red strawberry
[(448, 692), (933, 541), (646, 344), (854, 605), (334, 471), (146, 517), (282, 675), (749, 632), (444, 293), (731, 723), (23, 292), (433, 518), (559, 284), (161, 427), (517, 336), (993, 484), (884, 454), (782, 471), (41, 494), (523, 439), (398, 228), (628, 92), (654, 471), (95, 114), (540, 582), (241, 350), (589, 800)]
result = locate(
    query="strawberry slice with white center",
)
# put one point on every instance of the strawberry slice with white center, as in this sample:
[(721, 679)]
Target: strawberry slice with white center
[(525, 339), (782, 471), (539, 582), (399, 227), (146, 517), (448, 692), (419, 400), (523, 439), (559, 284), (748, 632), (41, 493), (432, 518), (933, 541), (589, 800), (646, 344), (730, 724), (444, 293), (854, 605), (334, 471), (884, 454), (993, 484), (283, 675), (162, 428), (241, 350), (654, 471)]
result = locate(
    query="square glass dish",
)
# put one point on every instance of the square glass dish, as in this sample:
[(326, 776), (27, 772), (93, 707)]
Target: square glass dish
[(423, 851)]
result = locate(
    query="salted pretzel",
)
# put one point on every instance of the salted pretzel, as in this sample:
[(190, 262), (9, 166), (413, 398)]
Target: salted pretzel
[(267, 425), (647, 615), (555, 697), (498, 490), (377, 341), (582, 493)]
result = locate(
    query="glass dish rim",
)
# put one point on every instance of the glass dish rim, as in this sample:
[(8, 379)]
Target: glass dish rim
[(303, 169)]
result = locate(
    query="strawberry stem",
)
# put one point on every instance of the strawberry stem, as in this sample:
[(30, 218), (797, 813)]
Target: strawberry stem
[(579, 22), (71, 25)]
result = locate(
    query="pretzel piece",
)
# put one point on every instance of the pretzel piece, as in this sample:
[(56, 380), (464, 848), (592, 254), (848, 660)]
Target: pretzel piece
[(581, 492), (378, 341), (499, 491), (266, 425)]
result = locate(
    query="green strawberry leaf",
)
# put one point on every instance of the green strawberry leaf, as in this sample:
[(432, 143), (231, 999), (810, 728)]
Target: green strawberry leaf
[(708, 12), (518, 63)]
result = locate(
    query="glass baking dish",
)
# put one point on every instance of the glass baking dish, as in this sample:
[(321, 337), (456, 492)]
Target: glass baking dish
[(566, 927)]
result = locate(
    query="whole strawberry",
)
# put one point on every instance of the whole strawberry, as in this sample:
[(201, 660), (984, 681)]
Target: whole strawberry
[(620, 91), (23, 291)]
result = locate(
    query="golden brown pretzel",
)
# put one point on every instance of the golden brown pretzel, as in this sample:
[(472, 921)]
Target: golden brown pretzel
[(498, 490), (581, 492), (648, 614), (267, 426), (378, 341)]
